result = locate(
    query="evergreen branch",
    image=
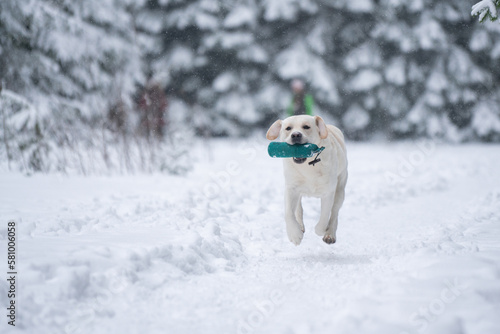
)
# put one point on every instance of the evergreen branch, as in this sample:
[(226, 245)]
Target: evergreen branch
[(486, 9)]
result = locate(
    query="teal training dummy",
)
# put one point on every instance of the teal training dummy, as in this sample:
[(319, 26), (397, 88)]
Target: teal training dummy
[(284, 150)]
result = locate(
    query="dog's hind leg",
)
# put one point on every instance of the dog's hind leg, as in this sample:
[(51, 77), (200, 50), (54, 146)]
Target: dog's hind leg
[(299, 214)]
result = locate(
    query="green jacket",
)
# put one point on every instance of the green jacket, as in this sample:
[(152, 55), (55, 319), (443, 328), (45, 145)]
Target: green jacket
[(308, 104)]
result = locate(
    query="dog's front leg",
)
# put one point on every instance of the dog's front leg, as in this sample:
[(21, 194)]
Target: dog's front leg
[(330, 235), (326, 209), (293, 227)]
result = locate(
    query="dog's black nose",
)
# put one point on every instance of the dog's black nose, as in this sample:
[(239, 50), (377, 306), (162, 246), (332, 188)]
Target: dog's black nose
[(296, 137)]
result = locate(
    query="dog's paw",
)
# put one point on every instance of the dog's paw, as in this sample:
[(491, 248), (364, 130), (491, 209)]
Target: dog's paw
[(329, 239), (295, 235), (320, 229)]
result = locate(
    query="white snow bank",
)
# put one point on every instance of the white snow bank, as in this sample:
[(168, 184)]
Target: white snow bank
[(417, 250)]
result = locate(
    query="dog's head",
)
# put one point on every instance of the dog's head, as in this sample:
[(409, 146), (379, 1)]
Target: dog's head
[(301, 129)]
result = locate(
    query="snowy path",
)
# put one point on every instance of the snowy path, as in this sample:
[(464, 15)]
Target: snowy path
[(209, 254)]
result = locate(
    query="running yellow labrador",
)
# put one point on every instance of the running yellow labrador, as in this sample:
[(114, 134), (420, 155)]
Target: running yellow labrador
[(325, 179)]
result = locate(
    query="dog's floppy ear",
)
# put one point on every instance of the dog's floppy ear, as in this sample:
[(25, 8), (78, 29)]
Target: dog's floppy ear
[(274, 130), (323, 131)]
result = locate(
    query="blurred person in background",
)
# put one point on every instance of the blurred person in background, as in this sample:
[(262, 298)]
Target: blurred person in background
[(302, 102)]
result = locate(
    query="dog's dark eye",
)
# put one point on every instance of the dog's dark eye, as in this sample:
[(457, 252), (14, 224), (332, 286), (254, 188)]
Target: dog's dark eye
[(306, 127), (288, 128)]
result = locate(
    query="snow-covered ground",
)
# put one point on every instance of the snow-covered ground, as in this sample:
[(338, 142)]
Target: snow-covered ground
[(418, 247)]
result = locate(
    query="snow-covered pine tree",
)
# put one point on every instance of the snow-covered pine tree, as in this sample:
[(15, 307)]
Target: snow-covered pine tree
[(484, 44), (360, 63), (210, 61), (23, 145), (444, 77), (299, 38), (70, 60)]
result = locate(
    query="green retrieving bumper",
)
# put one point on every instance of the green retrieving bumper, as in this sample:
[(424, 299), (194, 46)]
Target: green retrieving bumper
[(284, 150)]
